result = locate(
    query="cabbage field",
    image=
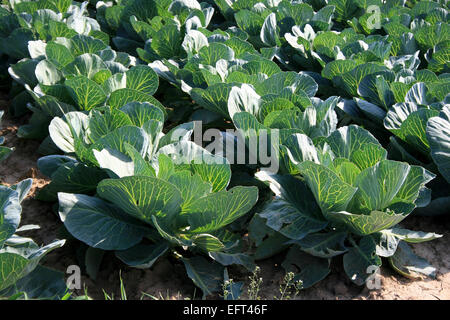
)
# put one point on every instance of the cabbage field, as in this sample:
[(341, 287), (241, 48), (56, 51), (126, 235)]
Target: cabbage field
[(224, 149)]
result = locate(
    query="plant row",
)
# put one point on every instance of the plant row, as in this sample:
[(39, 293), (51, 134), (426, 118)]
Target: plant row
[(352, 94)]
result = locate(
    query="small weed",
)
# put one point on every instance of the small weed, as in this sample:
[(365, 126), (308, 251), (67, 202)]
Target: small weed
[(255, 285), (288, 287)]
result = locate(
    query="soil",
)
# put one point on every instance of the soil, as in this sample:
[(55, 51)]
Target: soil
[(168, 280)]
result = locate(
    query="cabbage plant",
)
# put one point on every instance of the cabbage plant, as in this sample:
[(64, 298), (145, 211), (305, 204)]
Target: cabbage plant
[(317, 121), (80, 74), (152, 29), (20, 256), (217, 62), (93, 141), (157, 193), (178, 209), (41, 21), (347, 199), (404, 109)]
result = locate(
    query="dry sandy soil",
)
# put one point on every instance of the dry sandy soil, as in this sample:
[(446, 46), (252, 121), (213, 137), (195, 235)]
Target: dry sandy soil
[(168, 280)]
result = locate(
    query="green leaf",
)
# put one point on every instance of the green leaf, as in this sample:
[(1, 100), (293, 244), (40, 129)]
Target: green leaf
[(359, 259), (100, 124), (24, 72), (278, 104), (142, 78), (87, 65), (205, 274), (192, 187), (93, 260), (414, 184), (217, 210), (357, 145), (142, 112), (378, 185), (14, 266), (117, 138), (58, 5), (167, 41), (15, 45), (141, 166), (413, 236), (351, 80), (291, 221), (405, 262), (365, 224), (337, 68), (266, 67), (142, 256), (60, 29), (121, 97), (330, 192), (56, 100), (214, 98), (211, 168), (243, 99), (65, 133), (169, 235), (47, 73), (439, 61), (41, 283), (227, 259), (208, 243), (102, 76), (328, 39), (377, 90), (11, 266), (346, 170), (312, 269), (97, 223), (10, 211), (142, 197), (296, 82), (249, 21), (410, 124), (269, 34), (270, 246), (428, 36), (344, 9), (438, 135), (368, 155), (115, 82), (209, 55), (72, 178), (399, 90), (85, 92), (82, 44), (166, 167), (324, 245)]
